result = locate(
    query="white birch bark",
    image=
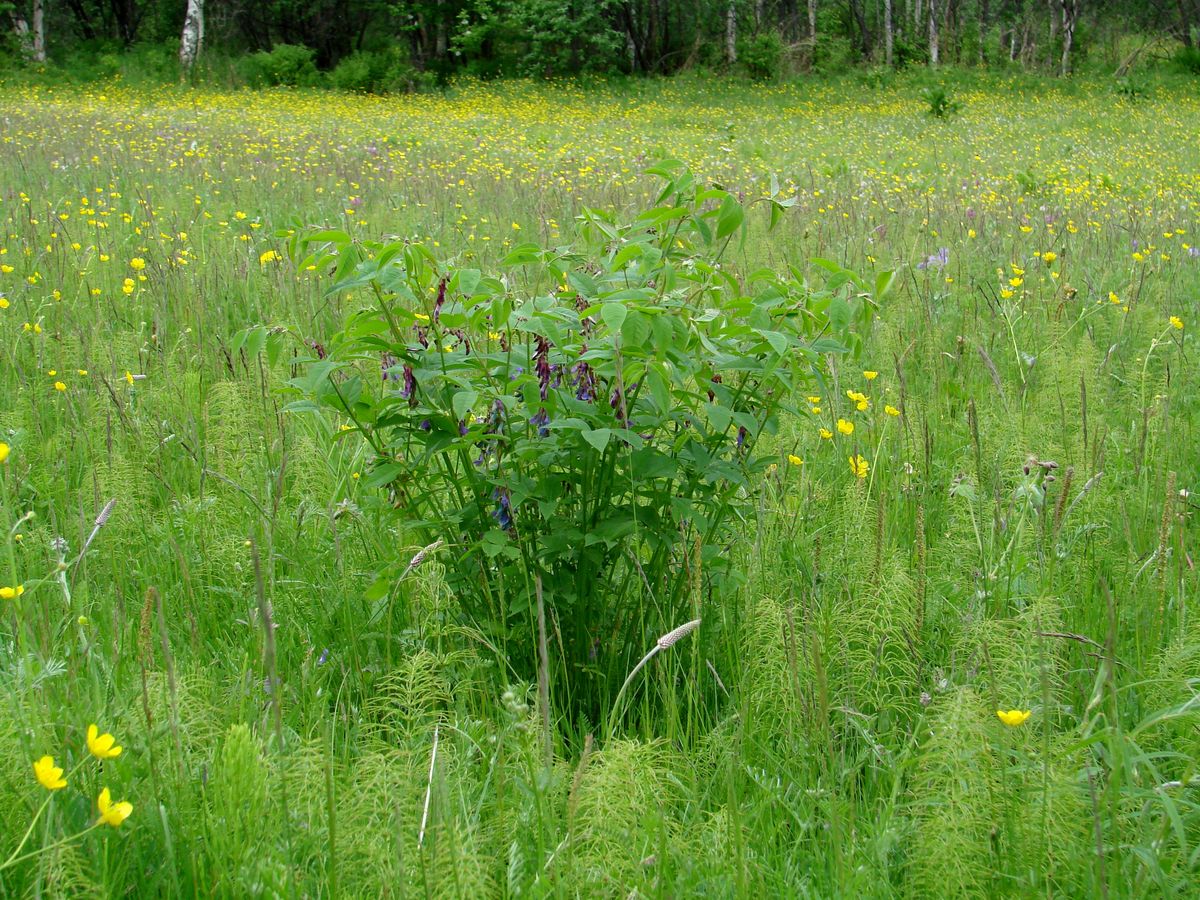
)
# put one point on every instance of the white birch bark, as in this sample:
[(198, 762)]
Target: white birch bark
[(192, 40), (889, 35), (933, 32), (731, 32), (39, 31)]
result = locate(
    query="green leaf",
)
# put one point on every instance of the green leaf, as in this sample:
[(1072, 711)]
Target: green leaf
[(597, 437), (463, 402), (468, 280), (613, 315), (730, 217), (884, 282), (636, 330)]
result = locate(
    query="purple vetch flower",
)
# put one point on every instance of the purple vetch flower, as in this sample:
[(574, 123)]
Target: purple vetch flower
[(462, 428), (741, 436), (441, 298), (324, 657), (317, 348), (387, 362), (716, 379), (503, 511), (1194, 252), (617, 402), (541, 365), (542, 420), (584, 379), (409, 389), (937, 260), (426, 425)]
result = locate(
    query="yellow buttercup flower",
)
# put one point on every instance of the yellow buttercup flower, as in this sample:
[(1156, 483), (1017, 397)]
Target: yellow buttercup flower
[(128, 377), (3, 451), (59, 386), (101, 745), (1113, 298), (825, 434), (870, 376), (795, 460), (859, 466), (112, 813), (891, 410), (137, 264), (1013, 717), (1176, 322), (269, 256), (48, 774), (845, 427), (11, 593)]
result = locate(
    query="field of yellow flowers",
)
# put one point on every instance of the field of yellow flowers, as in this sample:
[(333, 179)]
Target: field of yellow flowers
[(959, 655)]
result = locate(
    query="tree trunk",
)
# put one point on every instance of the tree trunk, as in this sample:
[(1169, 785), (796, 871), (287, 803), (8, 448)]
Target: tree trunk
[(889, 35), (812, 32), (1070, 15), (39, 31), (983, 27), (191, 42), (731, 33), (933, 32)]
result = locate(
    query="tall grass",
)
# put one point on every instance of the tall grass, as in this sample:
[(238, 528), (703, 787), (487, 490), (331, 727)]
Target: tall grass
[(830, 728)]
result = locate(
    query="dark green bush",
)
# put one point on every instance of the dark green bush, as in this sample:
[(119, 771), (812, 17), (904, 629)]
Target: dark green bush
[(762, 56), (285, 64), (1187, 60), (380, 71)]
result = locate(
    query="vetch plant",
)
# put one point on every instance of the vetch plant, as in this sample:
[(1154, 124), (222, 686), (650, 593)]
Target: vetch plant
[(587, 416)]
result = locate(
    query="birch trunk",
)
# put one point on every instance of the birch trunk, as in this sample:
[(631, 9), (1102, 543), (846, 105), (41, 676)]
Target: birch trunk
[(39, 31), (731, 33), (1070, 15), (192, 40), (933, 33), (812, 32), (889, 36)]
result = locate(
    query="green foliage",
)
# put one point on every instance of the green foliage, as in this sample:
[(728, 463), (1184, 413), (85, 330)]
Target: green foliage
[(940, 101), (762, 56), (1187, 60), (309, 712), (284, 65), (595, 436), (378, 72)]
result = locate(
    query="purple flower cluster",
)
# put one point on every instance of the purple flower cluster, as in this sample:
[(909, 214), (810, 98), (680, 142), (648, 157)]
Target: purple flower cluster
[(937, 260)]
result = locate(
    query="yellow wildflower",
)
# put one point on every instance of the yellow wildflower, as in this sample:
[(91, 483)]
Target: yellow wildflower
[(1176, 322), (891, 410), (48, 774), (1013, 717), (1049, 256), (3, 451), (859, 466), (825, 434), (845, 427), (11, 593), (268, 257), (59, 386), (870, 376), (112, 813), (137, 264), (101, 745), (795, 460)]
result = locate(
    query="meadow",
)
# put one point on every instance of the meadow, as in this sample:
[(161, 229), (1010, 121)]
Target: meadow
[(985, 506)]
